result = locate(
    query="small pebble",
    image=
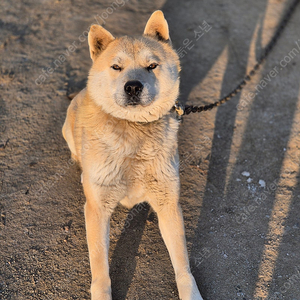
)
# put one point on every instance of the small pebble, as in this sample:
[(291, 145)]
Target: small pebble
[(262, 183)]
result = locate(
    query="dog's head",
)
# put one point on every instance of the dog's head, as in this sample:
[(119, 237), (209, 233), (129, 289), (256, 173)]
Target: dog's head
[(136, 79)]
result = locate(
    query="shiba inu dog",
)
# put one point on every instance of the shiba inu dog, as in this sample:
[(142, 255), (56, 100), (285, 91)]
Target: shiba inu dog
[(122, 131)]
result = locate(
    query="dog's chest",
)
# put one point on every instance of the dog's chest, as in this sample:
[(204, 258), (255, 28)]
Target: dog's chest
[(123, 154)]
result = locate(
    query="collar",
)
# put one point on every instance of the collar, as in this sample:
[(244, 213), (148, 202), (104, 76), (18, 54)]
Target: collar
[(179, 109)]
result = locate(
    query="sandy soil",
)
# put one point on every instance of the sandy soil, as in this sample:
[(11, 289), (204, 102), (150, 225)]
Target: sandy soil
[(239, 163)]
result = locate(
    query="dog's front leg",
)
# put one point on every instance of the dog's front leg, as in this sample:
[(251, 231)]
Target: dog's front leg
[(172, 230), (97, 218)]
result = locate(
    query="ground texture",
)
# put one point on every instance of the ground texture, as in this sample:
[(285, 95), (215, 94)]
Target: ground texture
[(240, 183)]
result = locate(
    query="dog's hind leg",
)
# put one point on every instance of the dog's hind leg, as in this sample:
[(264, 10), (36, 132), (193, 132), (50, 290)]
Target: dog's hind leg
[(172, 230)]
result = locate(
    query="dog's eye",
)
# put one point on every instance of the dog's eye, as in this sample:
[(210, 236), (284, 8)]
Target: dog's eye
[(116, 67), (152, 66)]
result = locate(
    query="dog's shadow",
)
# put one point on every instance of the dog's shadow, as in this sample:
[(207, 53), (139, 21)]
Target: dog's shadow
[(123, 260)]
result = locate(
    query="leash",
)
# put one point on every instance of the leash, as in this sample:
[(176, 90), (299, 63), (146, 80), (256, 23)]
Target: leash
[(187, 109)]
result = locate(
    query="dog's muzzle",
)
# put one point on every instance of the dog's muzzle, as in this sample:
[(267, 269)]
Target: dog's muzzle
[(133, 89)]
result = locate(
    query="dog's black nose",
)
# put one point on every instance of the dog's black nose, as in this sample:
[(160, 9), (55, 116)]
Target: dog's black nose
[(133, 88)]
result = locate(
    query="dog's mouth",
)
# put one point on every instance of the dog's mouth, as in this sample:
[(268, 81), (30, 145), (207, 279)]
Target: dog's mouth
[(133, 100), (137, 101), (141, 100)]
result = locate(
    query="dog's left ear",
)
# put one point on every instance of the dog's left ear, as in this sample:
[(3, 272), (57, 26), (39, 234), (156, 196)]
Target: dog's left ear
[(98, 39), (157, 27)]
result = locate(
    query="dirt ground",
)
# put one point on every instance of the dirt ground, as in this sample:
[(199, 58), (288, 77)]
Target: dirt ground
[(239, 163)]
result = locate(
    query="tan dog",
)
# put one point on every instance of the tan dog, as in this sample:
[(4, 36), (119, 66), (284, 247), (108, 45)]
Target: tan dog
[(123, 133)]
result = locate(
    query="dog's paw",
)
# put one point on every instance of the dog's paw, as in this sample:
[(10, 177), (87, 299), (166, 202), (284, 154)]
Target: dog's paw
[(101, 296), (100, 293), (187, 287)]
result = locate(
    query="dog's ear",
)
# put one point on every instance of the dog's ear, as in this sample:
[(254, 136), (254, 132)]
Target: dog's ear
[(157, 27), (98, 39)]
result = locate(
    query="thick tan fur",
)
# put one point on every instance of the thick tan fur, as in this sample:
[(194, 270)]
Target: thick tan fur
[(128, 153)]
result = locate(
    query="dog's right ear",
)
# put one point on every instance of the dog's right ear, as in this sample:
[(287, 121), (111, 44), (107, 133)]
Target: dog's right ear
[(98, 40)]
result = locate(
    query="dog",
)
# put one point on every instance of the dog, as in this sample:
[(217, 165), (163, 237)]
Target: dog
[(122, 130)]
